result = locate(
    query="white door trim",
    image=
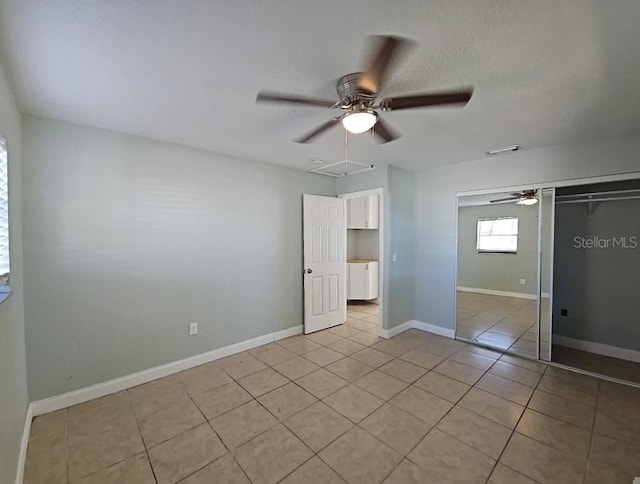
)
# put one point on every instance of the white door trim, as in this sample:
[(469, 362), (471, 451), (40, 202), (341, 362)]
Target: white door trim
[(381, 246)]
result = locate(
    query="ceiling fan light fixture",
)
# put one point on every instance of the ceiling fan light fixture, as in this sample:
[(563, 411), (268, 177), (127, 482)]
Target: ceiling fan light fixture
[(359, 121), (527, 201)]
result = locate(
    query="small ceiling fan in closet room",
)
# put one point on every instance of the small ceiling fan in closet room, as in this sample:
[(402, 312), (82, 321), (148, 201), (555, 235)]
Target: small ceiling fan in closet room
[(523, 197), (358, 93)]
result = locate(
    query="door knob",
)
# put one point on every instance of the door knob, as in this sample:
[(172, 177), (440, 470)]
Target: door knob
[(308, 271)]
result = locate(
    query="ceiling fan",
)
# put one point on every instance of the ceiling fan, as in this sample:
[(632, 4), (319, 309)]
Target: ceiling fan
[(358, 92), (523, 197)]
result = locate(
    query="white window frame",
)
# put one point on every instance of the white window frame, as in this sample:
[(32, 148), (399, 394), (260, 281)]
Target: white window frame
[(489, 234)]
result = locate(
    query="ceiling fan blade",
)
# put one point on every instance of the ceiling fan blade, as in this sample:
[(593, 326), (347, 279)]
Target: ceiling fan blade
[(525, 193), (383, 130), (386, 52), (275, 97), (424, 100), (504, 199), (319, 130)]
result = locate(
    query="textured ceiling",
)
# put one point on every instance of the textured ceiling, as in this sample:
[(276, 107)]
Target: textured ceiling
[(544, 71)]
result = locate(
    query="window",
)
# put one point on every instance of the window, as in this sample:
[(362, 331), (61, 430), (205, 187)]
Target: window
[(497, 235), (4, 218)]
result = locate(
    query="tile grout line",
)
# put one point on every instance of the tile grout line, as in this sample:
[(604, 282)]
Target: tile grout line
[(434, 425), (124, 458), (229, 451), (314, 453), (551, 417), (526, 406), (353, 425), (513, 431), (281, 422), (593, 431), (66, 428), (144, 443), (437, 422), (206, 421)]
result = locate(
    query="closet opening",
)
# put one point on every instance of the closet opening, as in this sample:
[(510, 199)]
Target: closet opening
[(596, 308)]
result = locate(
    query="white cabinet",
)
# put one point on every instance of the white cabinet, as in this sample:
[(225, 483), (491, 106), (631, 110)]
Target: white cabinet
[(363, 212), (362, 279)]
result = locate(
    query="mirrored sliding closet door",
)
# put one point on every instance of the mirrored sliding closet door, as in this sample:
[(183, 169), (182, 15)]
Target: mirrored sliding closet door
[(501, 275)]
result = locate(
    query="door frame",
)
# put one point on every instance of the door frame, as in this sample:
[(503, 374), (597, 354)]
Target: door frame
[(381, 247), (541, 254)]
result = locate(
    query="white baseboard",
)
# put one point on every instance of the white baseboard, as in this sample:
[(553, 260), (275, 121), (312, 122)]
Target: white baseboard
[(434, 328), (287, 333), (401, 328), (22, 455), (491, 292), (598, 348), (82, 395), (428, 327)]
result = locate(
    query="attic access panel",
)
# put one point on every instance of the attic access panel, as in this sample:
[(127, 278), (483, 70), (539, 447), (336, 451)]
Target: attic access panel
[(343, 168)]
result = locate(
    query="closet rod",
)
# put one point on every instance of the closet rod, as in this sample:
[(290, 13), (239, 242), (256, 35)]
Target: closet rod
[(593, 200), (590, 194)]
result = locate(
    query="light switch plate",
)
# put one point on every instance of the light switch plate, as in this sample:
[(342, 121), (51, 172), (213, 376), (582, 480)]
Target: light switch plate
[(193, 329)]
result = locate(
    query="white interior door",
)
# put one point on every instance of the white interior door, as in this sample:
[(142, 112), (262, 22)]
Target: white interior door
[(325, 262)]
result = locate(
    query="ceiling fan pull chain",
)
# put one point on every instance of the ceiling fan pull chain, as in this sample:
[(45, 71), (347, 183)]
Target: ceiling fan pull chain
[(346, 152), (372, 144)]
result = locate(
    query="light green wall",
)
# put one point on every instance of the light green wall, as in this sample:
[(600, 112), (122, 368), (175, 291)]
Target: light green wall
[(436, 189), (127, 240), (598, 287), (498, 272), (402, 223), (13, 377)]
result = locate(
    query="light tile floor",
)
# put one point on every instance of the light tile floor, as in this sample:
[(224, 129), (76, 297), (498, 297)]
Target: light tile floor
[(343, 405), (505, 323)]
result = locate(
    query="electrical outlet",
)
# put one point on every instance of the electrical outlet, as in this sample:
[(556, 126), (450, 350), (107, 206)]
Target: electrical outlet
[(523, 282), (394, 257), (564, 312), (193, 329)]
